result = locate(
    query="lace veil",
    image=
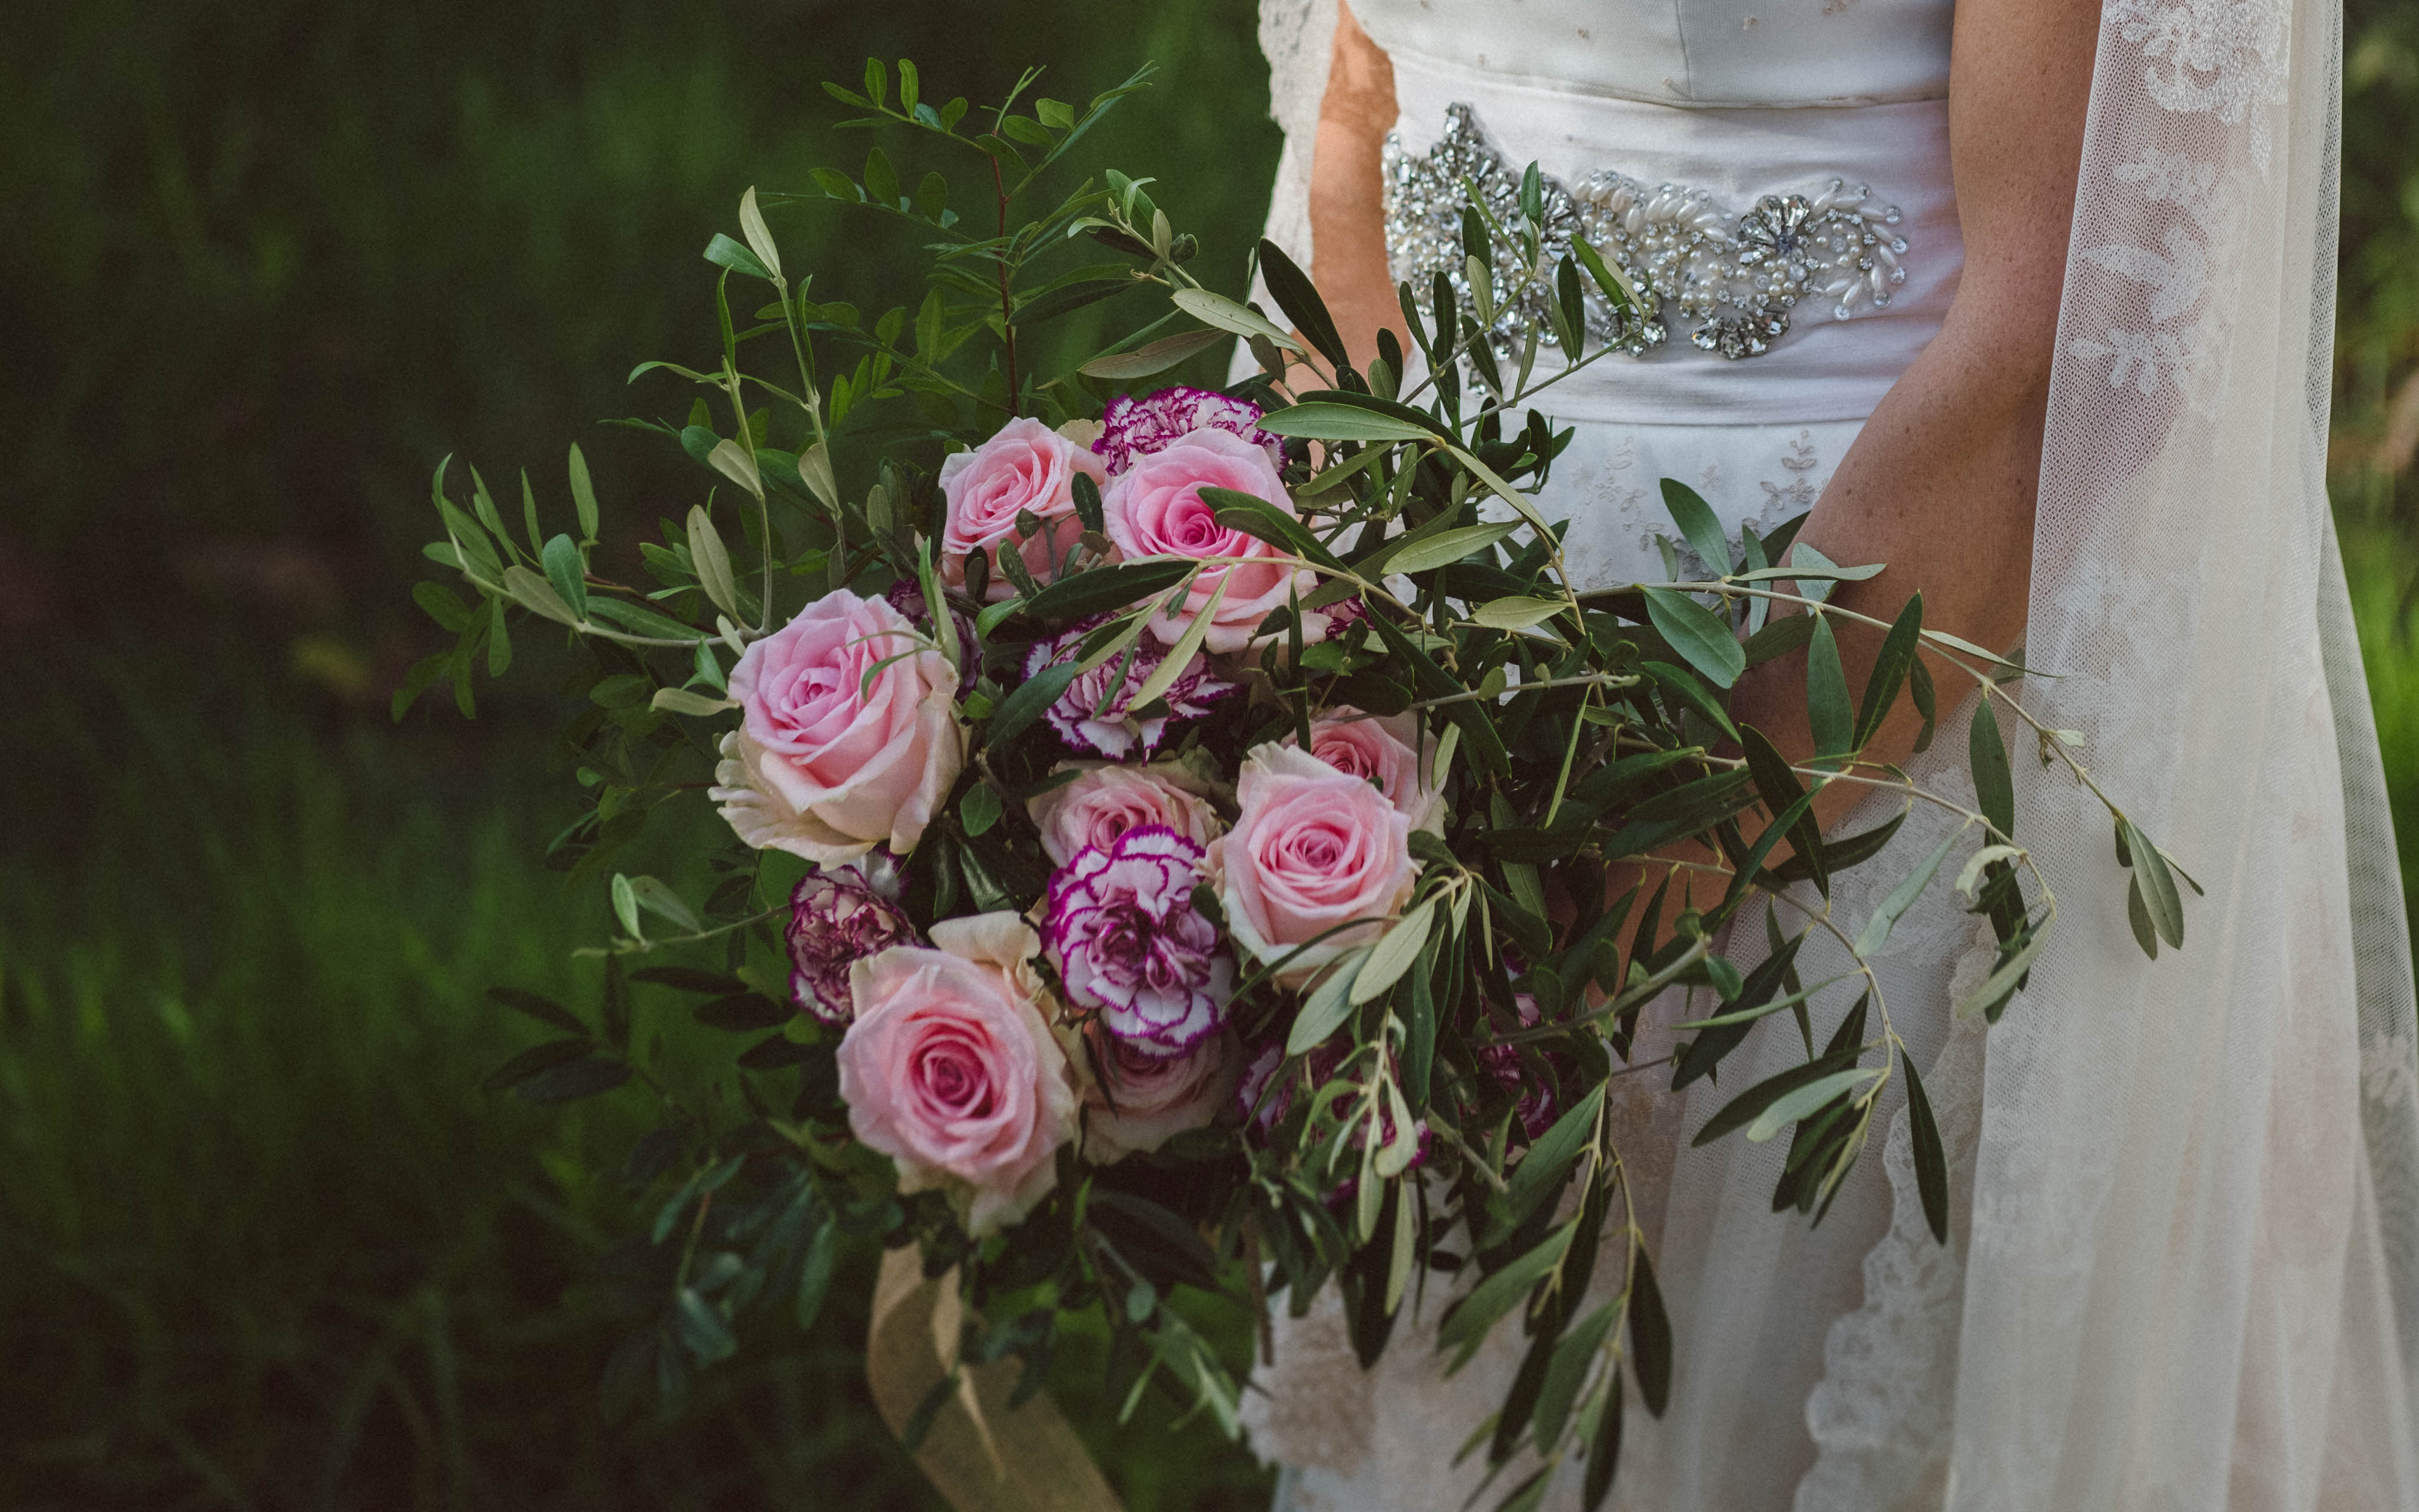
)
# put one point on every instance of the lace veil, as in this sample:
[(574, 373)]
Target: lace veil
[(2189, 1257), (2193, 1274)]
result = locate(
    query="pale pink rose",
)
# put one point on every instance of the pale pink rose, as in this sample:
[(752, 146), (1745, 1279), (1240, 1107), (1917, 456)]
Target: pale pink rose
[(827, 764), (1026, 466), (1106, 801), (950, 1069), (1384, 752), (1312, 848), (1155, 509), (1138, 1102)]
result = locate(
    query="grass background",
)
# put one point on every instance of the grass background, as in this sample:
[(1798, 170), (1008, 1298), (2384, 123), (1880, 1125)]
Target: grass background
[(263, 1242)]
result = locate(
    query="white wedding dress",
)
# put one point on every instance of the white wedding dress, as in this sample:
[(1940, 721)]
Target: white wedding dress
[(2184, 1271)]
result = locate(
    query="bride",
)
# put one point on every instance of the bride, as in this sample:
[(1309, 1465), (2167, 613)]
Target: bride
[(2032, 303)]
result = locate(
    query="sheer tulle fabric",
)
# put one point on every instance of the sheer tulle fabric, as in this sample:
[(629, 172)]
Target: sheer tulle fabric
[(2191, 1279), (2185, 1268)]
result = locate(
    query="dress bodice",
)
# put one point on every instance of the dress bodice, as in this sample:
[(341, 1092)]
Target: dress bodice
[(1772, 175), (1687, 53)]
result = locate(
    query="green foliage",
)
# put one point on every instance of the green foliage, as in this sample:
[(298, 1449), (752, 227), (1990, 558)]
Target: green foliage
[(269, 1244), (270, 1241), (2373, 458)]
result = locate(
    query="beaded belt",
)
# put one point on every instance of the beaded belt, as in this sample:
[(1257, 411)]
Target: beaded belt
[(1735, 276)]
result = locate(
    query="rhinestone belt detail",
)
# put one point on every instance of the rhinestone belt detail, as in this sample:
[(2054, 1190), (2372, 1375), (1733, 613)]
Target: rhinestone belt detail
[(1734, 277)]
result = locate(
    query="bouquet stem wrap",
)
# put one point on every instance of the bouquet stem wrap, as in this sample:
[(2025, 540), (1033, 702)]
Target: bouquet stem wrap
[(982, 1454)]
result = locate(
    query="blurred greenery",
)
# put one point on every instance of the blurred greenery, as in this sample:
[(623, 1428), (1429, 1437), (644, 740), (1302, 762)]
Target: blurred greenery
[(263, 1242), (2370, 465)]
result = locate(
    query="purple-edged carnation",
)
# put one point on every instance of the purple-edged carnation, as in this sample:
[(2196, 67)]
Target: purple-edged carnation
[(1254, 1100), (1345, 612), (1130, 945), (1087, 718), (1537, 1107), (839, 917), (1134, 427), (1261, 1107)]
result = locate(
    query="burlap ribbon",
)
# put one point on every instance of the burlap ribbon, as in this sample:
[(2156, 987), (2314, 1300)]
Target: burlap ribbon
[(983, 1454)]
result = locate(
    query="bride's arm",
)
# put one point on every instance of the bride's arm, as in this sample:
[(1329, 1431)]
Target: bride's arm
[(1940, 484), (1348, 220)]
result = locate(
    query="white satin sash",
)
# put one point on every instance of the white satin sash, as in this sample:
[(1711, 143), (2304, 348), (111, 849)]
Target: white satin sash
[(1824, 369)]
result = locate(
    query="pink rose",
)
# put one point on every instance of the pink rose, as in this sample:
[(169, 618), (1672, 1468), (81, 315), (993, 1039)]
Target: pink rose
[(1026, 466), (1139, 1102), (828, 764), (1154, 509), (1103, 802), (1312, 848), (1384, 752), (951, 1071)]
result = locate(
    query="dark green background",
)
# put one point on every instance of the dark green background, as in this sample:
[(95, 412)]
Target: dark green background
[(263, 1243)]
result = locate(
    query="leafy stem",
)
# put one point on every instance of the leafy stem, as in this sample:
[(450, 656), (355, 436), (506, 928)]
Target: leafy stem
[(1007, 306), (641, 947)]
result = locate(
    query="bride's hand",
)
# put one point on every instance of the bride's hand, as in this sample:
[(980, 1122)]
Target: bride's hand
[(1347, 222)]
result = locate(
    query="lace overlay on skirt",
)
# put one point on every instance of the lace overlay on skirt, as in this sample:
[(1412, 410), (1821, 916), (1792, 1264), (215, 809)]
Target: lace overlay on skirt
[(1880, 1420)]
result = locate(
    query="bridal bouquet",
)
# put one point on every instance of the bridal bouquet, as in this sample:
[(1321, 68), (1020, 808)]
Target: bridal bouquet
[(1186, 846)]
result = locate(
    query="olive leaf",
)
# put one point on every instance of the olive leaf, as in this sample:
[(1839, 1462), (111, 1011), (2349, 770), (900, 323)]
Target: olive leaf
[(1931, 1165), (1704, 641)]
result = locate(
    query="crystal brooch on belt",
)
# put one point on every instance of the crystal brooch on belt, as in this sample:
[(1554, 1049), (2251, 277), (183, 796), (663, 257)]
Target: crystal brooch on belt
[(1732, 279)]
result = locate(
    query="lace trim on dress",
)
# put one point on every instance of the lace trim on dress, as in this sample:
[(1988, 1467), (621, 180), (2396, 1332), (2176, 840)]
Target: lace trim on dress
[(1881, 1416)]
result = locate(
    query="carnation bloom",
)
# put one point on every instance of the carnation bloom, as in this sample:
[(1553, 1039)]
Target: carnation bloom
[(839, 917), (1025, 468), (1139, 1101), (1134, 427), (1385, 751), (1087, 717), (1259, 1106), (950, 1070), (1255, 1103), (1104, 801), (1123, 933), (1155, 509), (1348, 610), (1534, 1106), (1312, 849), (849, 736)]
